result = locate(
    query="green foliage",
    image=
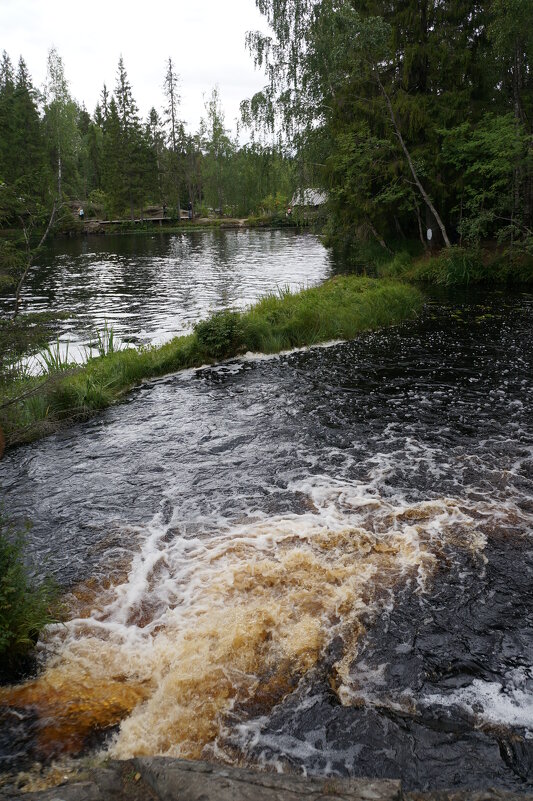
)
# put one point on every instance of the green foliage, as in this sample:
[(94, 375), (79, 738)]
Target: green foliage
[(487, 155), (221, 334), (457, 266), (104, 340), (54, 358), (414, 115), (26, 606), (461, 266)]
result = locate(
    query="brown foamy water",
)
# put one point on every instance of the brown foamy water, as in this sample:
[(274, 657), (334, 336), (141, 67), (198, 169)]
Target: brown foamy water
[(204, 627)]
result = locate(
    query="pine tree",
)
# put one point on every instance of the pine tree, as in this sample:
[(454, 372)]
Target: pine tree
[(157, 145), (7, 119)]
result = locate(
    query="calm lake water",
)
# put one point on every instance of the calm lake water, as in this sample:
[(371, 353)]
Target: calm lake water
[(317, 562), (151, 288)]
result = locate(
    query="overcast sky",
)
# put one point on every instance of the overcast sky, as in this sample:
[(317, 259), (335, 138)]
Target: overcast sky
[(205, 39)]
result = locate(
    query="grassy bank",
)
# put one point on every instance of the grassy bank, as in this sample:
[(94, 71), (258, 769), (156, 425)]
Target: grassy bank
[(459, 266), (338, 309)]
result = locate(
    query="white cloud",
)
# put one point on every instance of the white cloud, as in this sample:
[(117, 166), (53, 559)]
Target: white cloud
[(205, 39)]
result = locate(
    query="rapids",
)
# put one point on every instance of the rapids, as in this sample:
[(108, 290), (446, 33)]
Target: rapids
[(317, 562)]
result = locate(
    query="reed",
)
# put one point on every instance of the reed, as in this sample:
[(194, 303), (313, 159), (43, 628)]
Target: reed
[(461, 267)]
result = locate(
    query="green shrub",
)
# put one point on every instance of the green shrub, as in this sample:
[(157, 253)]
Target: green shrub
[(221, 334), (26, 606), (455, 266)]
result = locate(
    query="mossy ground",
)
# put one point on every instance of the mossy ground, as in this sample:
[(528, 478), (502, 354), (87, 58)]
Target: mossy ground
[(338, 309)]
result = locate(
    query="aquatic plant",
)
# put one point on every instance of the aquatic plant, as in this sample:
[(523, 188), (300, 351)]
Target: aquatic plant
[(54, 358), (104, 340)]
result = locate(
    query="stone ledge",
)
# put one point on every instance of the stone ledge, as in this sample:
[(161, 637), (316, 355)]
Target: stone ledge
[(199, 781), (162, 779)]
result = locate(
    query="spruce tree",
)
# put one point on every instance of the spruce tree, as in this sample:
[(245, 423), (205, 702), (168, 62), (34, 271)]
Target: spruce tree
[(175, 138)]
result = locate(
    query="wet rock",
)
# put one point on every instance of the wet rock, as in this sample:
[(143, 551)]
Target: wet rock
[(162, 779), (79, 791), (200, 781), (18, 729)]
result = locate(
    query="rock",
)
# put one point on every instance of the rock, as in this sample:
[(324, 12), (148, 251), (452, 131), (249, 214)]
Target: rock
[(173, 779), (79, 791), (491, 794), (161, 779)]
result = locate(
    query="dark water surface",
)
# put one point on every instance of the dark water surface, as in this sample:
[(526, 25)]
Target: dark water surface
[(320, 561)]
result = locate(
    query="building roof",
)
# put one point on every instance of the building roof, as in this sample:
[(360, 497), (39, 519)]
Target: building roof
[(309, 197)]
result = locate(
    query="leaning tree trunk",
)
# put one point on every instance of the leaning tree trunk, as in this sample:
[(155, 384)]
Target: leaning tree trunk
[(427, 199)]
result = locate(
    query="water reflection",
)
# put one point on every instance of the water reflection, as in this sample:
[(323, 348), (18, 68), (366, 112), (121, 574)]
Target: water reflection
[(150, 288)]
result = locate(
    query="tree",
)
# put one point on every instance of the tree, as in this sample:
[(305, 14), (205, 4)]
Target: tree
[(130, 165), (60, 119), (157, 144), (175, 137), (217, 148), (367, 93)]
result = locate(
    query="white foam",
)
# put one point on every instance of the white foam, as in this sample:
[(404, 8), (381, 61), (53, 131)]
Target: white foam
[(490, 702)]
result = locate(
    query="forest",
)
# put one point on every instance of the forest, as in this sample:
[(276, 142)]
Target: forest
[(414, 115), (115, 163)]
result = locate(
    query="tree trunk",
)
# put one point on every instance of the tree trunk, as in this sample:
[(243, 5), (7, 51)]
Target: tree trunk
[(427, 199), (378, 237), (420, 229)]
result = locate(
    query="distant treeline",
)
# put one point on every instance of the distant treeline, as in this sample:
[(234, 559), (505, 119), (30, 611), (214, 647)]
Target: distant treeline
[(117, 164)]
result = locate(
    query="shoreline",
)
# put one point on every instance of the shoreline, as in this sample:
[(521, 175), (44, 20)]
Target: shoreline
[(169, 226)]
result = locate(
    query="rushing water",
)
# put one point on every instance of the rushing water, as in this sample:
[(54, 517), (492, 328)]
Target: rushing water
[(320, 561)]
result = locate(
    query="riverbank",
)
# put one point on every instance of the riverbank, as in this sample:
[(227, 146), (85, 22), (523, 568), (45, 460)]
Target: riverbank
[(150, 225), (457, 267), (340, 308)]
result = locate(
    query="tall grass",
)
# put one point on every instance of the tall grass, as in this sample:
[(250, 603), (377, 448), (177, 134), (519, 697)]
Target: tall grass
[(54, 358), (104, 340), (338, 309), (461, 267)]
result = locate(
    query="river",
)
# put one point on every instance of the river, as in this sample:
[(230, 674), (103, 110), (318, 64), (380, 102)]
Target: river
[(318, 562)]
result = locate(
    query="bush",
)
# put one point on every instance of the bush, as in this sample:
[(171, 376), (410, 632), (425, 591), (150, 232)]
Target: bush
[(221, 335), (25, 606)]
